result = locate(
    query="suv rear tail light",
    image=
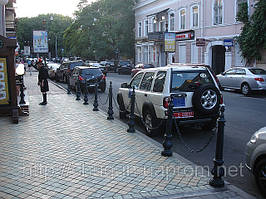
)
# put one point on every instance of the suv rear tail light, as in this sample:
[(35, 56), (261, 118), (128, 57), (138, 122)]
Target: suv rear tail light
[(103, 77), (259, 79), (81, 78), (166, 102)]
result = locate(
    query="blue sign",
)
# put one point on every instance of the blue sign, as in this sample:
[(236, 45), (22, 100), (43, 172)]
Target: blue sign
[(228, 42)]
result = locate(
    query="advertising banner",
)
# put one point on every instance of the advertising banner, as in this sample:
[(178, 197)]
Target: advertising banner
[(169, 42), (40, 41), (4, 92)]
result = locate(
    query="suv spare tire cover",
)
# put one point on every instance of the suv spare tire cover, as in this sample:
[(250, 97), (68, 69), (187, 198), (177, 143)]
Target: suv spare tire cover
[(198, 98)]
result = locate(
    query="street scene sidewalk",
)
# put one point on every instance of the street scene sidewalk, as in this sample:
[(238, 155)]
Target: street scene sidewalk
[(66, 150)]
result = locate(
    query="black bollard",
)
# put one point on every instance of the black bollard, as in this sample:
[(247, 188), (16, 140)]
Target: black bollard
[(218, 170), (167, 143), (95, 103), (131, 122), (78, 90), (110, 108), (22, 95), (68, 85), (85, 94)]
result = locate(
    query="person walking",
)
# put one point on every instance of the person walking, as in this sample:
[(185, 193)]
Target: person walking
[(30, 66), (42, 81)]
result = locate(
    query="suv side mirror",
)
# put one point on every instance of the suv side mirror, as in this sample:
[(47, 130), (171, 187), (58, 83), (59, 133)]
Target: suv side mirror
[(124, 85)]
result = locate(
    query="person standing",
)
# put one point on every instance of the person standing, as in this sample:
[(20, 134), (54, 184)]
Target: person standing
[(42, 81), (29, 66)]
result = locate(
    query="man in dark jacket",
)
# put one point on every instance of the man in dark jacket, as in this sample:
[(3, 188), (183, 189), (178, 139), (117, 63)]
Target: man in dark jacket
[(42, 81)]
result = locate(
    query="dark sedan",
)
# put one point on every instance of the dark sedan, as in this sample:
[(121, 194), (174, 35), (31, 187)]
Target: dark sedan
[(126, 70), (91, 75)]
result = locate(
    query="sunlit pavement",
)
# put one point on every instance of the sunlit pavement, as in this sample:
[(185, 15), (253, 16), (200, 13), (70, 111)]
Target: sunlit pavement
[(65, 150)]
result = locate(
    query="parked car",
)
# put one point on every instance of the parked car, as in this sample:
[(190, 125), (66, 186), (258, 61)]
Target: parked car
[(65, 70), (122, 63), (256, 158), (139, 67), (244, 79), (91, 75), (124, 70), (52, 67), (196, 96), (101, 67)]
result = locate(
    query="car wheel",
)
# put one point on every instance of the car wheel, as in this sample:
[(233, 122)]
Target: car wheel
[(122, 109), (245, 89), (210, 125), (206, 99), (150, 122), (260, 175)]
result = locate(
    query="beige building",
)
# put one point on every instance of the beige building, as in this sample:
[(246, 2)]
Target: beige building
[(212, 22)]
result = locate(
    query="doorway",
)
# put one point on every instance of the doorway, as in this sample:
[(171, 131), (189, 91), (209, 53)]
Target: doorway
[(218, 59)]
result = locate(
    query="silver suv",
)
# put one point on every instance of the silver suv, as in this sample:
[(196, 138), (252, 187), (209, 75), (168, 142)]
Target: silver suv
[(197, 96)]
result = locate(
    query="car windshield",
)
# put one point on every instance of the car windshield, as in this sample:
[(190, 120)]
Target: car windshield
[(73, 64), (258, 71), (91, 72), (189, 80)]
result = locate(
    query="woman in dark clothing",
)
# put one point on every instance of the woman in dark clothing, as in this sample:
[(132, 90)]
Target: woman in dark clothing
[(42, 81)]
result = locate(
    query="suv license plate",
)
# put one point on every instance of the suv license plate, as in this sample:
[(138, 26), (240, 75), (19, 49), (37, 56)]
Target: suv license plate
[(184, 114), (179, 101)]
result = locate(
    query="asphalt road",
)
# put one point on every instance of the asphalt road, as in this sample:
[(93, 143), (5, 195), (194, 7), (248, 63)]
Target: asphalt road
[(244, 115)]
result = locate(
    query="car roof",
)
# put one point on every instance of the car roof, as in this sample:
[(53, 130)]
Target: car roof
[(86, 67), (180, 67)]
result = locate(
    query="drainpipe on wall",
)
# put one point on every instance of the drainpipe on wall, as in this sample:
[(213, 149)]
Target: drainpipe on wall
[(2, 20)]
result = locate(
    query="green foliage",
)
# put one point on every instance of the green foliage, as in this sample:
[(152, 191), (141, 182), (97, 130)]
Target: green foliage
[(252, 39), (242, 14), (55, 28), (100, 28)]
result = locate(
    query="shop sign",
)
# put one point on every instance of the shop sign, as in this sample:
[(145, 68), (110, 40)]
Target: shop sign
[(155, 36), (228, 42), (186, 35), (4, 93), (169, 42), (200, 42)]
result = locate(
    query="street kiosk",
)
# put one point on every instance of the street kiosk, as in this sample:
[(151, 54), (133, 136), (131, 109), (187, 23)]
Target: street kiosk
[(8, 96)]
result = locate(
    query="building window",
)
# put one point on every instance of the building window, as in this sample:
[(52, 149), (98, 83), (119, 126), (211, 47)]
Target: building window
[(195, 16), (182, 19), (139, 30), (146, 27), (172, 22), (154, 23), (139, 54), (162, 26), (217, 12), (145, 54)]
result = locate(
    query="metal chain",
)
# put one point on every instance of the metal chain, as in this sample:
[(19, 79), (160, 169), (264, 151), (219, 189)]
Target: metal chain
[(101, 100), (190, 149), (143, 121), (116, 104)]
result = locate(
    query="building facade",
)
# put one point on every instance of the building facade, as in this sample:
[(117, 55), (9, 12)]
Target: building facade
[(205, 32)]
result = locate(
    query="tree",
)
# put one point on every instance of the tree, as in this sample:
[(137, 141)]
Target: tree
[(252, 39), (102, 27), (55, 28)]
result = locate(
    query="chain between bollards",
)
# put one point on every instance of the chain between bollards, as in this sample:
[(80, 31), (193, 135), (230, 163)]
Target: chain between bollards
[(218, 170), (131, 122), (78, 90), (85, 93), (110, 108), (167, 143), (95, 103)]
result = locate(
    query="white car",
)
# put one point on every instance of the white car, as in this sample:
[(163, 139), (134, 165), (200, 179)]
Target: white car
[(197, 97), (256, 158)]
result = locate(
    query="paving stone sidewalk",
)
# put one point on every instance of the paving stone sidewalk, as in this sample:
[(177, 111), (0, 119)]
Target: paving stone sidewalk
[(65, 150)]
